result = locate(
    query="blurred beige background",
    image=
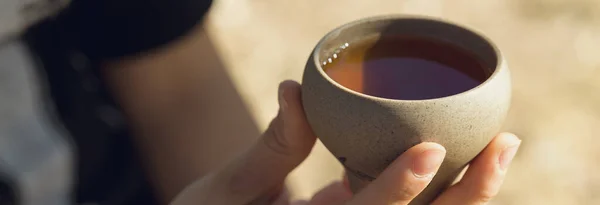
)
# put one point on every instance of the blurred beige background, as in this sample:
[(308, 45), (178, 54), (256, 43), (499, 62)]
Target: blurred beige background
[(551, 46)]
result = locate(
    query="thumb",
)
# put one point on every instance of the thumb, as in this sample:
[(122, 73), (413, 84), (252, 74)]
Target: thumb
[(405, 178), (254, 177)]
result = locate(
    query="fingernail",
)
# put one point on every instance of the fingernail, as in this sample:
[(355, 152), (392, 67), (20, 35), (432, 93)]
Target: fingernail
[(507, 156), (428, 162), (281, 98)]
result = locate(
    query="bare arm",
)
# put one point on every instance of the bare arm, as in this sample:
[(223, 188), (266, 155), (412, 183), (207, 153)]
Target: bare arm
[(185, 111)]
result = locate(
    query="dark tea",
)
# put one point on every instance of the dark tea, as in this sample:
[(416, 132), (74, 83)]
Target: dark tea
[(405, 67)]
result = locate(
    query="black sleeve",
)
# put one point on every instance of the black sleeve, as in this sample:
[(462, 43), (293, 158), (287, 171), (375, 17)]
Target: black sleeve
[(108, 170), (104, 29)]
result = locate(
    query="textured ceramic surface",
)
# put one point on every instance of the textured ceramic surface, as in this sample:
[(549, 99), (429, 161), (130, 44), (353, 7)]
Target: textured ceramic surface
[(367, 133)]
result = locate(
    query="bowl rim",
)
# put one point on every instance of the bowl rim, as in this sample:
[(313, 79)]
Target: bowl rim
[(500, 61)]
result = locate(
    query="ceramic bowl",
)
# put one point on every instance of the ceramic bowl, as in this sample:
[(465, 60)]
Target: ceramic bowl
[(367, 133)]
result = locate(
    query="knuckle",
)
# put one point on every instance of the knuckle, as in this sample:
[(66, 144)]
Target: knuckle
[(406, 193), (485, 195), (274, 138)]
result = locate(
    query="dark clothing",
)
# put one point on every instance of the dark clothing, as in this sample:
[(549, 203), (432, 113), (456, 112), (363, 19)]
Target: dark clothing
[(70, 47)]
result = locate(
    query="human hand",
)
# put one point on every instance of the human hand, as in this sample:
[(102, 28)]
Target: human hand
[(408, 175), (258, 176)]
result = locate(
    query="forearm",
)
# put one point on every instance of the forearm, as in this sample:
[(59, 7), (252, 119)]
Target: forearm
[(185, 111)]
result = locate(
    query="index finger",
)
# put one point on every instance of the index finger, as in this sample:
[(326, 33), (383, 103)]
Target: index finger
[(485, 174)]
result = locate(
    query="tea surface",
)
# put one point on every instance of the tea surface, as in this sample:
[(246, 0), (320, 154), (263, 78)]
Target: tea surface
[(405, 67)]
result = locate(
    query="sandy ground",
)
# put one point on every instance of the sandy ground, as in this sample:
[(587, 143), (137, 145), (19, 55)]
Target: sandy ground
[(551, 47)]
